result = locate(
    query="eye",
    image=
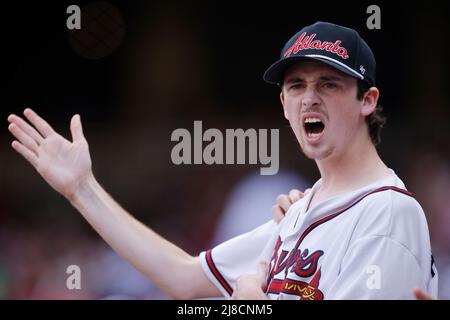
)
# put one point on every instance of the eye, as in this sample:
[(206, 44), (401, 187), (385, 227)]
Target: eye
[(330, 85), (295, 86)]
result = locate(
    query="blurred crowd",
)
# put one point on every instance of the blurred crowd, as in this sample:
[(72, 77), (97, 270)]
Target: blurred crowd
[(35, 254), (131, 103)]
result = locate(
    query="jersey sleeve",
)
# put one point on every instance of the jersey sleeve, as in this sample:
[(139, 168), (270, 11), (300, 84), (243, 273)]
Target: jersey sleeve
[(240, 255)]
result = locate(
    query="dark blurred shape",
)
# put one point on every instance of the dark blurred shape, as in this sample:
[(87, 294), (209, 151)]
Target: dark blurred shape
[(102, 31)]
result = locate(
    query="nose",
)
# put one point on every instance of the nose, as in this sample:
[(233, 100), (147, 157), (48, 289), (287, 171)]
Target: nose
[(310, 98)]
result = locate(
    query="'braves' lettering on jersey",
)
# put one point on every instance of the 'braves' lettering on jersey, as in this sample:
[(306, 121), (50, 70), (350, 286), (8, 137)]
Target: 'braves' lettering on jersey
[(371, 243)]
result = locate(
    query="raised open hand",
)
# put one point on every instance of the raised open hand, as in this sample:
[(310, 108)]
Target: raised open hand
[(62, 163)]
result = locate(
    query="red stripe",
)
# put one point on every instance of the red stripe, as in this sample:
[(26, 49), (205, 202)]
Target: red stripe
[(323, 220), (276, 286), (304, 290), (217, 274)]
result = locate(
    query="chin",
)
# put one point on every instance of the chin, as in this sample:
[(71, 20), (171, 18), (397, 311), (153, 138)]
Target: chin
[(316, 153)]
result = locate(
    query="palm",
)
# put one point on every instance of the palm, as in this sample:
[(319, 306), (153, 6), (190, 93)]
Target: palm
[(63, 164)]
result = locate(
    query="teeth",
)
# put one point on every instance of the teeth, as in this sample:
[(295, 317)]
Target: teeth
[(310, 134), (312, 120)]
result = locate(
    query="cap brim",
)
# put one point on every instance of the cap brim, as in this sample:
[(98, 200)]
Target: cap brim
[(275, 73)]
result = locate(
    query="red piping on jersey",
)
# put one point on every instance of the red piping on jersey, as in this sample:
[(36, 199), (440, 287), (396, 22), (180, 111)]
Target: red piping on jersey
[(334, 215), (217, 274), (323, 220)]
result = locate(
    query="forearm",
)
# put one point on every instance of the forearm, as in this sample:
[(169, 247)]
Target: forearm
[(66, 166), (166, 265)]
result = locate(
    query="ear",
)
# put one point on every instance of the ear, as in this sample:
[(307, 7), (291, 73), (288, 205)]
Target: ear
[(369, 101), (282, 103)]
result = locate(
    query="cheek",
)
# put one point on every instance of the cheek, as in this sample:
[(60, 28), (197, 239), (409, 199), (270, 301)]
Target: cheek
[(292, 114), (345, 122), (292, 110)]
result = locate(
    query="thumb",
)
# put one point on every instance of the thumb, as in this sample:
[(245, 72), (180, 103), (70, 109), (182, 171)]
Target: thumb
[(263, 272), (76, 129)]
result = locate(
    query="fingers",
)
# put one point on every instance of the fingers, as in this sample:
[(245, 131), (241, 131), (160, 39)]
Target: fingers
[(295, 195), (76, 128), (420, 295), (24, 138), (40, 124), (26, 153), (284, 202), (277, 213), (279, 210), (25, 127), (263, 271)]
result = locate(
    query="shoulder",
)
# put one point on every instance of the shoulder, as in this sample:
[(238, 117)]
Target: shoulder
[(397, 203), (388, 209), (397, 218), (391, 199)]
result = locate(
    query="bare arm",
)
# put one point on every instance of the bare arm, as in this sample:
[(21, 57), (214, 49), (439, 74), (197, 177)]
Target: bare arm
[(66, 166)]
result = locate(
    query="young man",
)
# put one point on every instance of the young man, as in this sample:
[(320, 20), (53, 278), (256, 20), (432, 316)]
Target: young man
[(357, 234)]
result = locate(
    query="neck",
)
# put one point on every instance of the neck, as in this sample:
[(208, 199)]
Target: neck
[(360, 165)]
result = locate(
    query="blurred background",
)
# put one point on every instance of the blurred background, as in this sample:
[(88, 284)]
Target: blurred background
[(138, 70)]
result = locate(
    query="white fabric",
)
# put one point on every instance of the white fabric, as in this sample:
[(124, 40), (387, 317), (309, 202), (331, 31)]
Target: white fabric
[(372, 243)]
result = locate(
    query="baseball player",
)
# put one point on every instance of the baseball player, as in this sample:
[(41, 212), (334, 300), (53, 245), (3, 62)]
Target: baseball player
[(357, 234)]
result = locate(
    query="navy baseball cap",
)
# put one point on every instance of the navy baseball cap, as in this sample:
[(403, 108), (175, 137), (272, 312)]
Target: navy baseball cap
[(339, 47)]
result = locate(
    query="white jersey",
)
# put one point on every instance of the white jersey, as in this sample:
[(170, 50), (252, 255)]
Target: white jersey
[(371, 243)]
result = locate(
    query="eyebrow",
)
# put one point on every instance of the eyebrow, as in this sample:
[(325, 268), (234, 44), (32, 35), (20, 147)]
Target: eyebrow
[(322, 78)]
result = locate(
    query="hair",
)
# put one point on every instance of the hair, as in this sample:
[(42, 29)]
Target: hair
[(376, 120)]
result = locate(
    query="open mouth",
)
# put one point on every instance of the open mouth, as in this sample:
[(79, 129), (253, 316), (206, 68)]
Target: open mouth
[(313, 127)]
